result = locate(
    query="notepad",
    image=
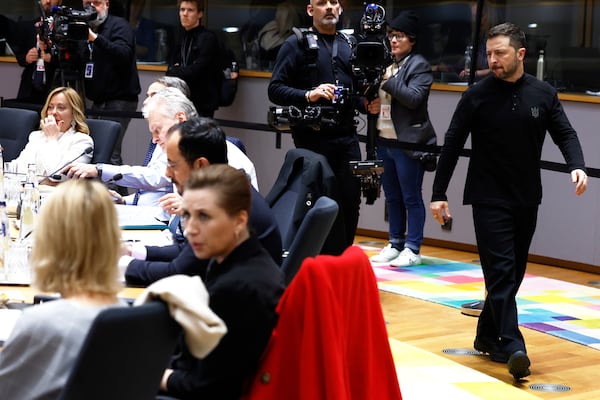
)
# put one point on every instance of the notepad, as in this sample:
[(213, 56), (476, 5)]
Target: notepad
[(140, 217)]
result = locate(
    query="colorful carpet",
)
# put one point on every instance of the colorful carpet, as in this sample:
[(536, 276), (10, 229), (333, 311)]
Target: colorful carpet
[(415, 368), (558, 308)]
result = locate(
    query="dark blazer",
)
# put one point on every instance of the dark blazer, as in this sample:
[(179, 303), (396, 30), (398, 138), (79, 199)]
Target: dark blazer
[(196, 61), (410, 92), (163, 261), (244, 291), (309, 175)]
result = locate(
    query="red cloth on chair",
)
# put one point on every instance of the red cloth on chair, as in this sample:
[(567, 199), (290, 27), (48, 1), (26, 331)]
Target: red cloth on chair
[(330, 341)]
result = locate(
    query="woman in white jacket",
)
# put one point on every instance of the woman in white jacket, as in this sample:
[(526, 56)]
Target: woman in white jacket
[(63, 134)]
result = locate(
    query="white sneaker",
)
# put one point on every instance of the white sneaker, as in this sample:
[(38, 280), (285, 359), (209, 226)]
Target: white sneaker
[(406, 258), (387, 254)]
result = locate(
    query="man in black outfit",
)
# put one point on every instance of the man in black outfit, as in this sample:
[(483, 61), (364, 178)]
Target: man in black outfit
[(109, 68), (39, 64), (507, 114), (195, 59), (297, 81)]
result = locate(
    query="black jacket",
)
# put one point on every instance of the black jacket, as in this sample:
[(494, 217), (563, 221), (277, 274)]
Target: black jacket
[(244, 291), (308, 175), (115, 75), (508, 123), (196, 61)]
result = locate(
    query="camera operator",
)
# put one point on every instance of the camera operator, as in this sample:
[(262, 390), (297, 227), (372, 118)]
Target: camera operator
[(36, 58), (403, 116), (295, 82), (110, 71)]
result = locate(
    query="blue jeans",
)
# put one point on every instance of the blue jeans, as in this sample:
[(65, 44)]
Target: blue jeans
[(402, 181)]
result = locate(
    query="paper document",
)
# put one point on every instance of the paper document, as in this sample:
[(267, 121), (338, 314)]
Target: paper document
[(139, 217), (8, 318)]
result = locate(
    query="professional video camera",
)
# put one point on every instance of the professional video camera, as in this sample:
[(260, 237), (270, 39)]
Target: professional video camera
[(62, 31), (369, 60), (371, 55), (65, 25)]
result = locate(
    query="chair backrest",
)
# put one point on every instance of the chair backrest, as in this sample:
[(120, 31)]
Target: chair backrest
[(311, 235), (303, 178), (124, 354), (15, 126), (330, 341), (104, 133)]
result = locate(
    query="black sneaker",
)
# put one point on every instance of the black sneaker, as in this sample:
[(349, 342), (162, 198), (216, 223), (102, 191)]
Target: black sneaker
[(472, 309)]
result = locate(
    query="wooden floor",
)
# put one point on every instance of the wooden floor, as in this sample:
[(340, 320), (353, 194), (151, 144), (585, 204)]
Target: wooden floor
[(434, 327)]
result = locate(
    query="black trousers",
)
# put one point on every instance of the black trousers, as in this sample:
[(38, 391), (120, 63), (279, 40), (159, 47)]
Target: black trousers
[(503, 238), (338, 151)]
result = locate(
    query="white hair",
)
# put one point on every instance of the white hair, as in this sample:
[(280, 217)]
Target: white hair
[(170, 101)]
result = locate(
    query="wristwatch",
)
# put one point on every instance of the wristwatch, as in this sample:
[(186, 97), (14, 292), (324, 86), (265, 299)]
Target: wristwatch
[(99, 171)]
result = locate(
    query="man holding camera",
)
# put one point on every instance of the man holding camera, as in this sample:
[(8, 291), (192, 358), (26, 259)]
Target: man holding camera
[(110, 70), (36, 59), (317, 72)]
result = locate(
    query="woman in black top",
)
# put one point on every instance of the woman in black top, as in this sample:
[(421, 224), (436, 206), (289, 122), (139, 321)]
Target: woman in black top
[(243, 282)]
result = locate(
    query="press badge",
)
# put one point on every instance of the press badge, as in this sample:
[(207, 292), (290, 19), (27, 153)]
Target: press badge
[(89, 70), (39, 65), (386, 112)]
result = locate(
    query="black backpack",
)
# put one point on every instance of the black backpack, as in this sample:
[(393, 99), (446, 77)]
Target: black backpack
[(230, 76)]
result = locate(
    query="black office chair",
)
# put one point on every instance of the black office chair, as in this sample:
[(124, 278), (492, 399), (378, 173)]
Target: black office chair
[(104, 133), (16, 125), (304, 177), (310, 237), (124, 354)]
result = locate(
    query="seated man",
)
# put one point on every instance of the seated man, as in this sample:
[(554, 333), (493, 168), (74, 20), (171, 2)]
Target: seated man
[(149, 179), (191, 145)]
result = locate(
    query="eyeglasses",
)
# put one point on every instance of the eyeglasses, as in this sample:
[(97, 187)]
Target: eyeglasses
[(172, 164), (95, 3), (397, 36)]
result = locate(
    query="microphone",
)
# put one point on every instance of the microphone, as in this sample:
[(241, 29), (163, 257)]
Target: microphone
[(58, 177), (115, 178)]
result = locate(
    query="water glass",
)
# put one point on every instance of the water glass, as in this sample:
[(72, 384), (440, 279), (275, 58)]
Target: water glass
[(16, 263)]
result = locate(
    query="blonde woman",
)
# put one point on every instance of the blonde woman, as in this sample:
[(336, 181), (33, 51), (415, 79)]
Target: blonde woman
[(63, 134), (77, 245)]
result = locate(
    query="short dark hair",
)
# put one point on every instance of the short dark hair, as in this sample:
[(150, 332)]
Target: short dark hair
[(199, 4), (231, 185), (201, 137), (515, 34)]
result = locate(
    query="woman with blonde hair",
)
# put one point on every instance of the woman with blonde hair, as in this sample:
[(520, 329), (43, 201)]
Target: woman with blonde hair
[(63, 134), (75, 253)]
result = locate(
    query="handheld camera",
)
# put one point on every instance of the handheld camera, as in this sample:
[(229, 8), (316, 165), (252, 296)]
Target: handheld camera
[(369, 60)]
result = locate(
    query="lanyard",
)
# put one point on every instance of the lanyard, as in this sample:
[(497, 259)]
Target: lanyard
[(185, 54), (333, 51)]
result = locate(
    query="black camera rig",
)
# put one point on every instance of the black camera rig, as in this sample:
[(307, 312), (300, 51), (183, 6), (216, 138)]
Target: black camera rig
[(62, 31), (369, 60), (282, 118)]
